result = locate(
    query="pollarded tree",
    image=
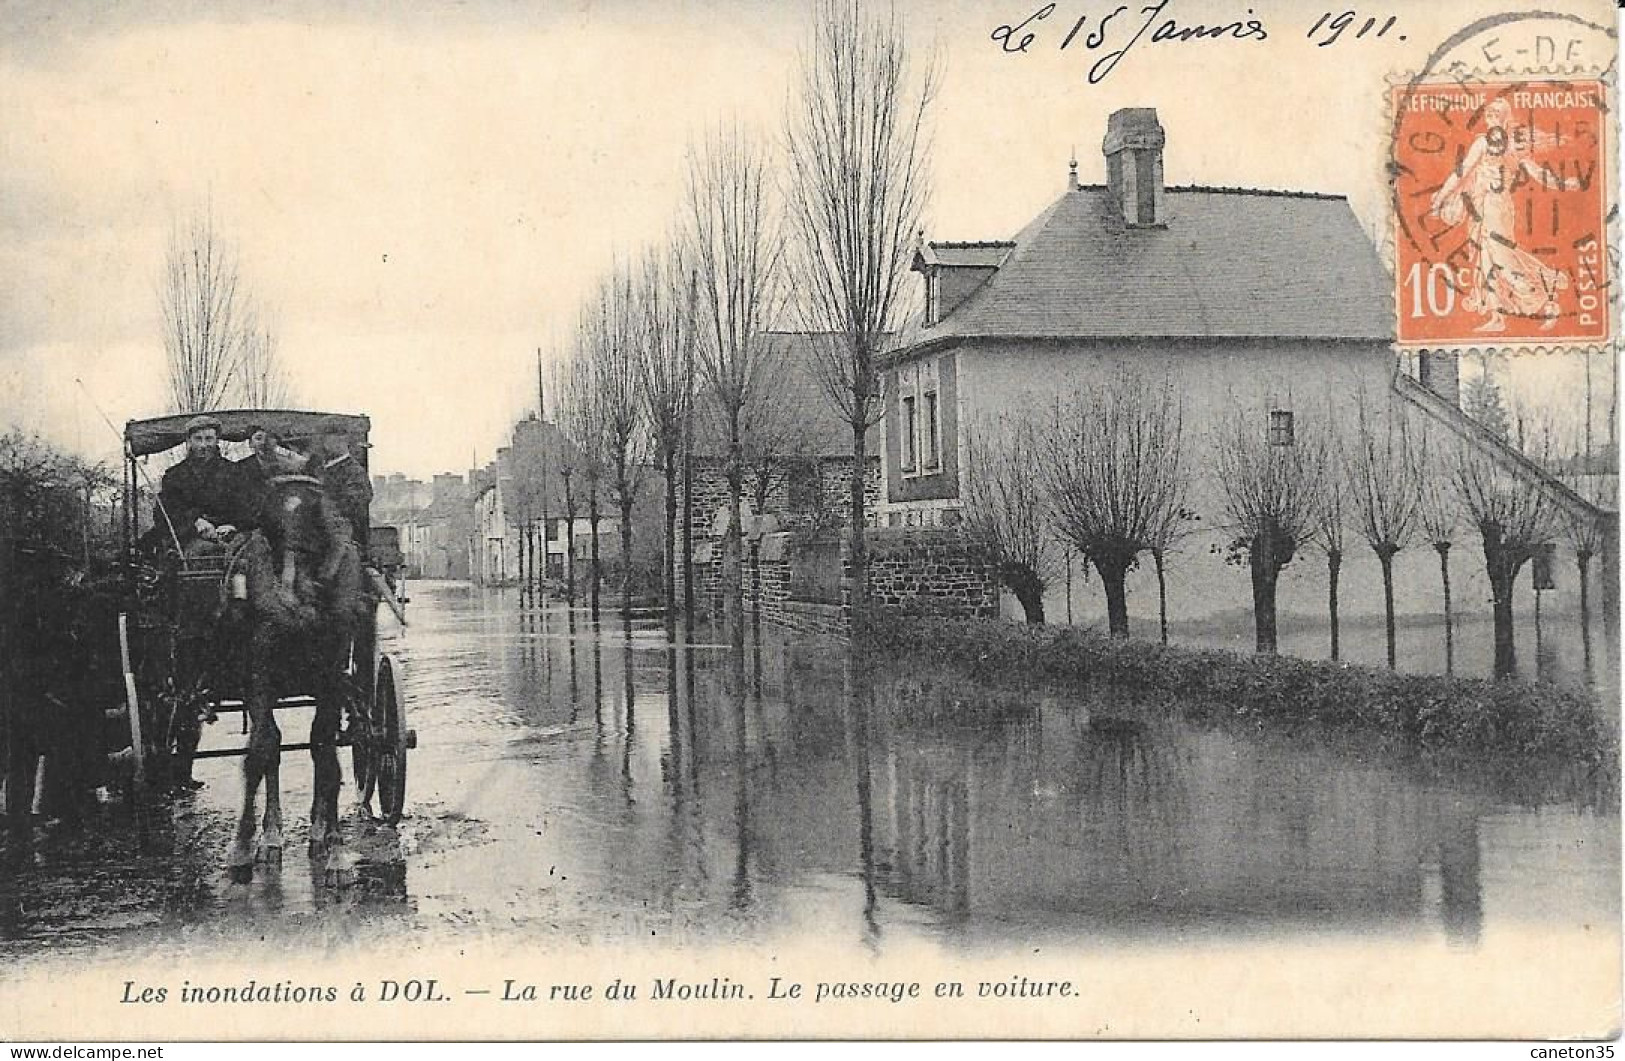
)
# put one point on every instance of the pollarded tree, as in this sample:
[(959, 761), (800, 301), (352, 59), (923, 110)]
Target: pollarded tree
[(1578, 465), (1112, 469), (1270, 476), (1509, 499), (1005, 506), (1331, 527), (1438, 517), (1171, 526), (1383, 477)]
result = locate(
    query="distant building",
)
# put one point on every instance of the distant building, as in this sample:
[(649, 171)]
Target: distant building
[(432, 519), (520, 506)]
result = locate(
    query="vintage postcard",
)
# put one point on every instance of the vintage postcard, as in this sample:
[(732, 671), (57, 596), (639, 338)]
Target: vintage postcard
[(860, 519)]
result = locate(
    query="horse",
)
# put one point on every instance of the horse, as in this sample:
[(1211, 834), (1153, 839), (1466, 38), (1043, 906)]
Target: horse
[(301, 599)]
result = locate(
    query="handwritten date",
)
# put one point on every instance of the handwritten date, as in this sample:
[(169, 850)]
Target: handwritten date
[(1113, 34)]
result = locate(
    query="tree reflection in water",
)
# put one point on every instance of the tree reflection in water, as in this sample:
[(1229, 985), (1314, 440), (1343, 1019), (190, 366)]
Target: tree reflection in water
[(857, 702)]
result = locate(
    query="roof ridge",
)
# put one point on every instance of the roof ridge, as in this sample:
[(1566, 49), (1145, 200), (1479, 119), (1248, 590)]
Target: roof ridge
[(1225, 189), (964, 244)]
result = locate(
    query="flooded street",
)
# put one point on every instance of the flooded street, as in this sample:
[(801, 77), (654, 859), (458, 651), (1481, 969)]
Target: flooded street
[(585, 784)]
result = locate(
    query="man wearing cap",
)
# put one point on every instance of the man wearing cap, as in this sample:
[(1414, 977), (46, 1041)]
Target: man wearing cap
[(346, 483), (200, 494)]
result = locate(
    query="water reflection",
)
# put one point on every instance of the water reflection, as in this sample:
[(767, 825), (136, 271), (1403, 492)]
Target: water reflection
[(724, 791)]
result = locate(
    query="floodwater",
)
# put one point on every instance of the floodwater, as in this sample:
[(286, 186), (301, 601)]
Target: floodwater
[(603, 783)]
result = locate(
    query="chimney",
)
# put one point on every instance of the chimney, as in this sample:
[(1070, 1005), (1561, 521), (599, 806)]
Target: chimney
[(1133, 150), (1440, 372)]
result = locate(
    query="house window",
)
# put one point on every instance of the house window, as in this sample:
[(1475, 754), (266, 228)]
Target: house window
[(911, 434), (932, 449), (1280, 428), (932, 296)]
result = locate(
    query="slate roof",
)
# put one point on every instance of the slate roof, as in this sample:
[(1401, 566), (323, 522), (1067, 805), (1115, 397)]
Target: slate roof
[(1230, 263), (798, 385)]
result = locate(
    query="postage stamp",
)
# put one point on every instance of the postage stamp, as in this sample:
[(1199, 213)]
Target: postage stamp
[(1500, 207)]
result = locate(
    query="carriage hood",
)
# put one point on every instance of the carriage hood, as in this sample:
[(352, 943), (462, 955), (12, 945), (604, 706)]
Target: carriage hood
[(142, 437)]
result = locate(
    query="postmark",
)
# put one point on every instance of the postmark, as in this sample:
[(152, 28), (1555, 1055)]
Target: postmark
[(1500, 212)]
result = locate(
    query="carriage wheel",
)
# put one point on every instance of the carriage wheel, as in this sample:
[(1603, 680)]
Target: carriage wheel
[(389, 720)]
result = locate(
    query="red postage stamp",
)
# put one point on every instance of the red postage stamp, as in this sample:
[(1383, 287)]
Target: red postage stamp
[(1500, 200)]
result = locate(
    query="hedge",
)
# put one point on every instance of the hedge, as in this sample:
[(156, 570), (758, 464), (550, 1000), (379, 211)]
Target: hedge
[(1433, 712)]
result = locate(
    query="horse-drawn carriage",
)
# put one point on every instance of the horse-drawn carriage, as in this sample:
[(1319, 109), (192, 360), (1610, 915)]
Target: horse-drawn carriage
[(290, 612)]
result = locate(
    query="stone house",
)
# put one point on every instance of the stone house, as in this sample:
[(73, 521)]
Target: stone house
[(1273, 302), (800, 481)]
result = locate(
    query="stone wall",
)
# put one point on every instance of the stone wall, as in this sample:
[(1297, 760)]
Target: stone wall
[(710, 488), (936, 570)]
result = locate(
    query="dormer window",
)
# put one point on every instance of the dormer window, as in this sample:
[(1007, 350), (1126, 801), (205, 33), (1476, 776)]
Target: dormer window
[(954, 271)]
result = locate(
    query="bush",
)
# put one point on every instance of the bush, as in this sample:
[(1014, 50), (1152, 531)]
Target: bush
[(1432, 712)]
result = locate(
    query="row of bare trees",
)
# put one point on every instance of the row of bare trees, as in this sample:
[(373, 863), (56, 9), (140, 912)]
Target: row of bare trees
[(219, 343), (1108, 472), (813, 233)]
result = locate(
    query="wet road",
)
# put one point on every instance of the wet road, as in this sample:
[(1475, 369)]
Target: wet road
[(608, 785)]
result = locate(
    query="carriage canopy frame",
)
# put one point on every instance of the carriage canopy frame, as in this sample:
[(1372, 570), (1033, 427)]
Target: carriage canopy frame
[(145, 437)]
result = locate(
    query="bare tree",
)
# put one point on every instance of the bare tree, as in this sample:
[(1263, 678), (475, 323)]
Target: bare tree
[(665, 382), (203, 315), (1112, 468), (1270, 474), (1383, 478), (1586, 535), (588, 401), (615, 340), (1437, 514), (776, 440), (858, 153), (1575, 463), (574, 390), (1513, 506), (1171, 525), (261, 381), (736, 253), (1006, 508), (775, 431), (1331, 525)]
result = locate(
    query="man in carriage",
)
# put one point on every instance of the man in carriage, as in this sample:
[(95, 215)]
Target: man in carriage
[(203, 497)]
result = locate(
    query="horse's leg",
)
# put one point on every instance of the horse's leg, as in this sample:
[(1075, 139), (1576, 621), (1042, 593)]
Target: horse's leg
[(324, 820), (271, 844), (261, 758)]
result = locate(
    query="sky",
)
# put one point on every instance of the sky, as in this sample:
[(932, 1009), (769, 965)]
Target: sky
[(421, 194)]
